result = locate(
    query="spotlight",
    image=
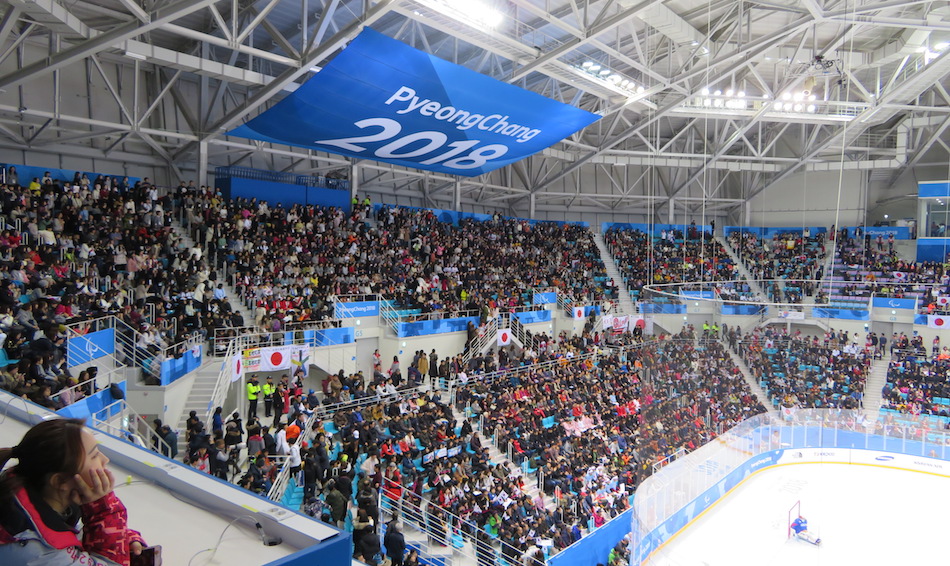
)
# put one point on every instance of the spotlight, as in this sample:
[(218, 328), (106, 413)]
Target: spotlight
[(740, 94), (587, 65), (640, 89), (811, 108), (730, 92), (705, 92), (718, 93), (787, 96), (604, 72), (594, 68), (615, 79), (778, 106), (798, 108)]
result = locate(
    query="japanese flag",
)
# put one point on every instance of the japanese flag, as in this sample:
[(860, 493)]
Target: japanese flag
[(504, 336), (578, 312), (943, 300), (237, 368), (937, 321), (276, 359)]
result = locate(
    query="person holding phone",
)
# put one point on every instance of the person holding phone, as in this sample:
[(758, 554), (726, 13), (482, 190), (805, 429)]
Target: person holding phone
[(60, 479)]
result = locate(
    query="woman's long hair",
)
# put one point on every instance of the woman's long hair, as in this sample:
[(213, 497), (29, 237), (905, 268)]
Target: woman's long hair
[(51, 447)]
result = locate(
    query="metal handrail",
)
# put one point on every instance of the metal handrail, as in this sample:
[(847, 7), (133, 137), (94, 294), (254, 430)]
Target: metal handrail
[(129, 416)]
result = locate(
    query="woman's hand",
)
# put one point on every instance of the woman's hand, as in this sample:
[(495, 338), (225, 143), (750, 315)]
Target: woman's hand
[(99, 484), (136, 548)]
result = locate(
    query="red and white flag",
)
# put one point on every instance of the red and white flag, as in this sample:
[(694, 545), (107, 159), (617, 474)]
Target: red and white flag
[(938, 321), (578, 312), (943, 300), (504, 336), (237, 368), (276, 358)]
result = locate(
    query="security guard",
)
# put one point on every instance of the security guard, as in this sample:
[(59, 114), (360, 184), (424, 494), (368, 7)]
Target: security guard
[(268, 391), (253, 392)]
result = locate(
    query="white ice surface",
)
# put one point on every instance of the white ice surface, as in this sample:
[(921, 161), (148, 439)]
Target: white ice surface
[(864, 515)]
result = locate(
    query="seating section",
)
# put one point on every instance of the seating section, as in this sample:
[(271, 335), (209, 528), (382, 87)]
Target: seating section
[(917, 386), (867, 266), (808, 372), (668, 257), (290, 264), (794, 257), (70, 253)]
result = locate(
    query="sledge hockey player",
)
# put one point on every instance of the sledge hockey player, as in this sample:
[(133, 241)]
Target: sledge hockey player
[(800, 526)]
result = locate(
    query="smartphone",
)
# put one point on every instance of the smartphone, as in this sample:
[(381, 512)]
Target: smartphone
[(151, 556)]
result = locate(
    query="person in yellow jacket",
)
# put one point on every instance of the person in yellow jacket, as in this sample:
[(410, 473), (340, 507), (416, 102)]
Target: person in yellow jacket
[(267, 390), (253, 392)]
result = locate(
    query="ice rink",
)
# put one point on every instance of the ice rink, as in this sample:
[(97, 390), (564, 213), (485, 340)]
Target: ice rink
[(864, 515)]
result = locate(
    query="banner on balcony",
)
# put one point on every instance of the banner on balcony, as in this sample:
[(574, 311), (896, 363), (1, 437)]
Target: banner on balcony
[(383, 100)]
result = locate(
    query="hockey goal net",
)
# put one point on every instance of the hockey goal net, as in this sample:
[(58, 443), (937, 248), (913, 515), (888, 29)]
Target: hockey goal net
[(793, 513)]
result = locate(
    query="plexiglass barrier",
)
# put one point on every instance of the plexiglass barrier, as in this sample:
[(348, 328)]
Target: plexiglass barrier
[(669, 500)]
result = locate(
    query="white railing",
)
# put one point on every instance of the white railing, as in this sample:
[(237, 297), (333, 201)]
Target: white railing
[(389, 315), (487, 334), (220, 392), (131, 426)]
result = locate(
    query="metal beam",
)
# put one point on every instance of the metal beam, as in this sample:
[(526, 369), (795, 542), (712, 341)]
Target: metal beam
[(290, 75), (67, 57)]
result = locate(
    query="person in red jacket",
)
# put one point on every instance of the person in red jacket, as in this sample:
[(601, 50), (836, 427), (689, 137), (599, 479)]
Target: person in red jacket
[(59, 480)]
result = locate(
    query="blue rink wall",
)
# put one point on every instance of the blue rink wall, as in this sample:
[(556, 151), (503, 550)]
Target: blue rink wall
[(809, 444)]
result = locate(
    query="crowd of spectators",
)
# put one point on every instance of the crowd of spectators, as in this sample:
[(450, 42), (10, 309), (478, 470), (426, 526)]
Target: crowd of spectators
[(808, 371), (78, 250), (796, 257), (870, 265), (918, 380), (645, 259), (290, 264)]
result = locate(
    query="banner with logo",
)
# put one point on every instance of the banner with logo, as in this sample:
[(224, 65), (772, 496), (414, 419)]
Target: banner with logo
[(356, 309), (383, 100), (792, 315), (88, 347), (885, 303), (281, 358)]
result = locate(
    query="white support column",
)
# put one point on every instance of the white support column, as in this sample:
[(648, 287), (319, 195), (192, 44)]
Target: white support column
[(202, 165), (531, 205), (672, 211), (457, 196), (354, 179), (923, 226)]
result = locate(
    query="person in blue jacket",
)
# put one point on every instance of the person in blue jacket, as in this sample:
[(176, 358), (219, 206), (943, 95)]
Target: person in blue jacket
[(800, 526)]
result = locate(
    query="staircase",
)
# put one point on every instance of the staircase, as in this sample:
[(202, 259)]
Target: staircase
[(753, 384), (877, 378), (743, 270), (202, 389), (625, 304), (237, 303)]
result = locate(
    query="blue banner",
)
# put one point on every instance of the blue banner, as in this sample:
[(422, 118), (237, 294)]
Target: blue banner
[(544, 298), (442, 326), (933, 189), (741, 309), (531, 317), (885, 303), (94, 404), (356, 309), (662, 308), (176, 368), (899, 232), (381, 99), (698, 294), (88, 347), (844, 314)]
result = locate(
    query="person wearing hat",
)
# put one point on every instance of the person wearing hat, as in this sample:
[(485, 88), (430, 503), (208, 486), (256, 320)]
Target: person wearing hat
[(253, 392), (267, 390)]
